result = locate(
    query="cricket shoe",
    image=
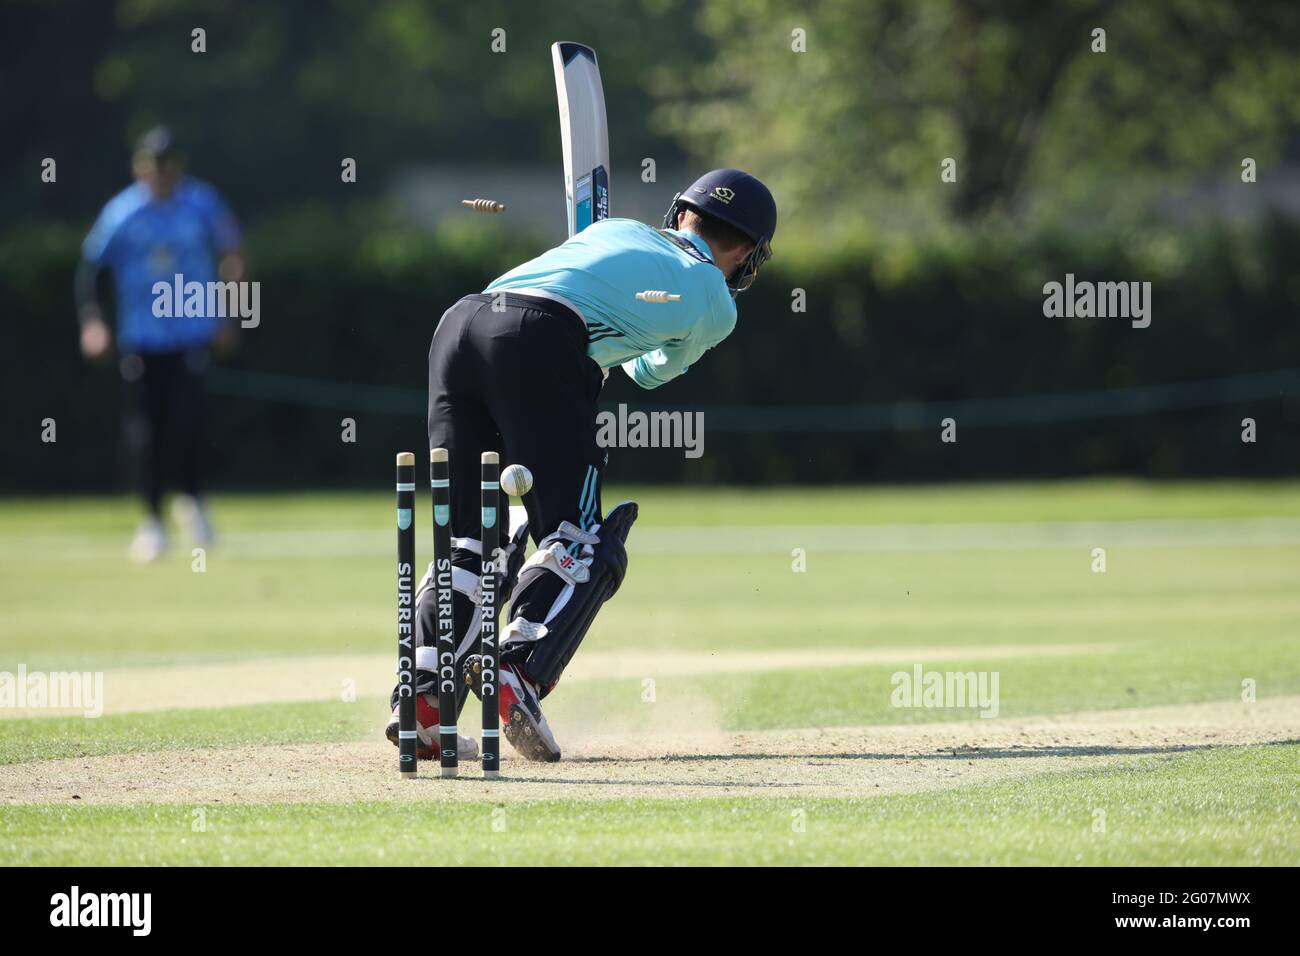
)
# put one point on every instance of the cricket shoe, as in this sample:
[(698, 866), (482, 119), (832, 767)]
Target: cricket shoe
[(522, 719), (149, 543), (426, 730), (191, 513)]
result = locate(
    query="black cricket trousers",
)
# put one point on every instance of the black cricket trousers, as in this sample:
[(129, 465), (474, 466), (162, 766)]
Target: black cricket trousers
[(166, 421), (519, 382)]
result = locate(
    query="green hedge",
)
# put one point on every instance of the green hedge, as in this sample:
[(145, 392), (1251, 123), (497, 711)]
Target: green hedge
[(352, 298)]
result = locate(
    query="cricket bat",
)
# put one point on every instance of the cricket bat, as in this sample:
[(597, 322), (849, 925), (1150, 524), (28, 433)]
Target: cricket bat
[(583, 134)]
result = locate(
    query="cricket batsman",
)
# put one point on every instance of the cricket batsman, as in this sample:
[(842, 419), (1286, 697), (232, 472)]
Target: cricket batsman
[(518, 368)]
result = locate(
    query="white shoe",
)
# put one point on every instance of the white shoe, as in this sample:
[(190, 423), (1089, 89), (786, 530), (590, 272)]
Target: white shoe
[(192, 514), (149, 543)]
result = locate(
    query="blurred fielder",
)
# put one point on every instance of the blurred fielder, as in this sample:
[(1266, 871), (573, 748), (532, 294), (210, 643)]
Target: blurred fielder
[(518, 369), (163, 225)]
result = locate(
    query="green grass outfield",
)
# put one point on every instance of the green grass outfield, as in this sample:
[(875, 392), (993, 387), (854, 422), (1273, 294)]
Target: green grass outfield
[(1233, 805), (1201, 594)]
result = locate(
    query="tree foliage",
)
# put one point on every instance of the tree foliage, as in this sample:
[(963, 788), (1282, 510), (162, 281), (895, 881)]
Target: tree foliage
[(855, 128)]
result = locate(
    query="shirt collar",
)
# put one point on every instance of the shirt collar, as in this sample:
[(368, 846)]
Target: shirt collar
[(696, 241)]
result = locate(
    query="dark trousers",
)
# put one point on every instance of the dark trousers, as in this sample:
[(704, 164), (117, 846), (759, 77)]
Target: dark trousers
[(518, 382), (166, 420)]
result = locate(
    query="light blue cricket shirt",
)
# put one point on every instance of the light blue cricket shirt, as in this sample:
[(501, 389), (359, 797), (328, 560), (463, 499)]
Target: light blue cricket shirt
[(146, 240), (601, 269)]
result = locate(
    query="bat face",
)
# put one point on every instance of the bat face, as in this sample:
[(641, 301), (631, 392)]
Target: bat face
[(583, 134)]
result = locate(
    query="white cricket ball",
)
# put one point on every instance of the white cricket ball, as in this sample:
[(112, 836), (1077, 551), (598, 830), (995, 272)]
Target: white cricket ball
[(516, 481)]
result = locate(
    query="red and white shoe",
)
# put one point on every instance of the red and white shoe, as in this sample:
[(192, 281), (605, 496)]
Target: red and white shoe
[(426, 730), (522, 720)]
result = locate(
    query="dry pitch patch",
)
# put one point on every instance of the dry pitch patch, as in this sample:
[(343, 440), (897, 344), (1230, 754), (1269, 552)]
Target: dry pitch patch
[(833, 762), (289, 679)]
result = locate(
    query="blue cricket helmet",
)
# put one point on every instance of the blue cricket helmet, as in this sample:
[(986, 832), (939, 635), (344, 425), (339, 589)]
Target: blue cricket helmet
[(739, 200)]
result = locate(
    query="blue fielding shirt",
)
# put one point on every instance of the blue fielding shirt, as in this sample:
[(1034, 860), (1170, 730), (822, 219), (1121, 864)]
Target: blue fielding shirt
[(601, 269), (144, 241)]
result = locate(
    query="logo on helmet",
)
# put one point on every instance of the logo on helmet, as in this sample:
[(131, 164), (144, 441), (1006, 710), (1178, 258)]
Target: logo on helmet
[(723, 194)]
